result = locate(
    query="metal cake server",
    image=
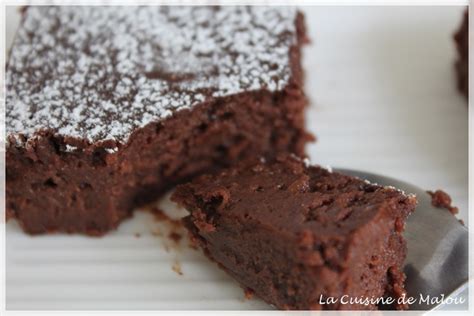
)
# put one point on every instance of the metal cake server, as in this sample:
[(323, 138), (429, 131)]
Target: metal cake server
[(437, 259)]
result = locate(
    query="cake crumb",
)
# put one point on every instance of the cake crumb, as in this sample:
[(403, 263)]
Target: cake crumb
[(249, 293), (157, 213), (193, 242), (441, 199), (177, 268), (175, 236), (170, 230)]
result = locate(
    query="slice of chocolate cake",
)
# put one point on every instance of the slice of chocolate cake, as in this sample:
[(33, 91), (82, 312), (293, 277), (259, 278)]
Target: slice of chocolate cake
[(302, 237), (461, 38), (107, 107)]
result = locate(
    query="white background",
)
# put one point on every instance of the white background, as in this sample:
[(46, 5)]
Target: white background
[(383, 100)]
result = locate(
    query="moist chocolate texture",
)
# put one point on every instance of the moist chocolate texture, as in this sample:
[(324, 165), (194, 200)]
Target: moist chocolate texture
[(108, 107), (461, 38), (297, 235)]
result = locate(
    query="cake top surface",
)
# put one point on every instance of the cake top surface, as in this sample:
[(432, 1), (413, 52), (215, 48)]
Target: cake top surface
[(98, 73), (291, 196)]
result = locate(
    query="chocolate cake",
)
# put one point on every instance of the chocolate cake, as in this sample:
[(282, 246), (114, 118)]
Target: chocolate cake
[(298, 235), (461, 39), (108, 107)]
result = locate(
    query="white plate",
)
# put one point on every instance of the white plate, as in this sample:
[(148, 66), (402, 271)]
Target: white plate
[(383, 95)]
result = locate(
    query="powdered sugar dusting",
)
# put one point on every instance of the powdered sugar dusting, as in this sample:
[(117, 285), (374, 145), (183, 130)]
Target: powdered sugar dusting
[(98, 73)]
